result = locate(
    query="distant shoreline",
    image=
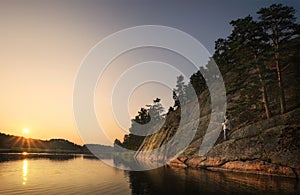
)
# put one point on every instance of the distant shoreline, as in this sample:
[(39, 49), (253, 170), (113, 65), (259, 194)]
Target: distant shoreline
[(38, 150)]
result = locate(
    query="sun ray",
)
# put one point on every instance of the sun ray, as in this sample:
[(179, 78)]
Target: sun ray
[(23, 141), (17, 141), (28, 142)]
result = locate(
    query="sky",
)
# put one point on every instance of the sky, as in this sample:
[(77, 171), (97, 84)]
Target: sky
[(43, 44)]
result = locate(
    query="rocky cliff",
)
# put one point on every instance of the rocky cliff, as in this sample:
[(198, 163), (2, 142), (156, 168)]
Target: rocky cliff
[(270, 146)]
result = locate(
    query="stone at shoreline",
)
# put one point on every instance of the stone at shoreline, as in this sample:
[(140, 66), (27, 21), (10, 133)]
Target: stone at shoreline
[(176, 162), (270, 147), (255, 166)]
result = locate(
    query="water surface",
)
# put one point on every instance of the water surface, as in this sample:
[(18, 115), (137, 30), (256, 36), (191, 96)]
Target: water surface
[(76, 174)]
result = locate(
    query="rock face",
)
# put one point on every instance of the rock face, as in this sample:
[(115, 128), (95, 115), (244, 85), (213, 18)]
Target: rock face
[(267, 147), (172, 137)]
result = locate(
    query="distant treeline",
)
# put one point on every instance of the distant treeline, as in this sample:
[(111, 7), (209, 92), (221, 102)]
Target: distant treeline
[(10, 143)]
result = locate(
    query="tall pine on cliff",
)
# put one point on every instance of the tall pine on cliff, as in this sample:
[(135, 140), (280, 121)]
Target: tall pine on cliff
[(278, 22), (261, 55), (248, 41)]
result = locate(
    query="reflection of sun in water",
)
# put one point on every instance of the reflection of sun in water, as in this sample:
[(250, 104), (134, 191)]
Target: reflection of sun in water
[(25, 169)]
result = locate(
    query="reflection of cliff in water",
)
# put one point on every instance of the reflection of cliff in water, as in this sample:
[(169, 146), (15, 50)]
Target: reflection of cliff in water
[(188, 181), (50, 156), (129, 162)]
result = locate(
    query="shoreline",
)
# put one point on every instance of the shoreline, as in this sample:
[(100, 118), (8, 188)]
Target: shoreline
[(28, 150), (249, 167), (267, 147)]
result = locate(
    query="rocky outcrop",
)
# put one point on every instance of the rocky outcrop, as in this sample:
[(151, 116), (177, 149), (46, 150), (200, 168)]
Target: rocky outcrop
[(267, 147), (172, 138)]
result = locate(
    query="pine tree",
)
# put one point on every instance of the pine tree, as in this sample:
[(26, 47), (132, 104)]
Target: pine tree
[(178, 93), (249, 42), (279, 23)]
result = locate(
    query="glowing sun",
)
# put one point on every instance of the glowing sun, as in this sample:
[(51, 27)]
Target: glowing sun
[(26, 131)]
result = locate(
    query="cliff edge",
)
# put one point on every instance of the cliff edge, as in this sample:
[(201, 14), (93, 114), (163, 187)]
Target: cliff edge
[(270, 146)]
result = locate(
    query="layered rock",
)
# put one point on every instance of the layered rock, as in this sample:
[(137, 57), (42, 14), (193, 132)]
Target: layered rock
[(267, 147)]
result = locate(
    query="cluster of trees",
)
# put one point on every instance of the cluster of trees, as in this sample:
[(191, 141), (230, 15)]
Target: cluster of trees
[(262, 47), (255, 53), (141, 125), (184, 93)]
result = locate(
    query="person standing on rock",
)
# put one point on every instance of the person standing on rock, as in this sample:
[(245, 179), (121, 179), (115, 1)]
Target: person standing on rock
[(226, 126)]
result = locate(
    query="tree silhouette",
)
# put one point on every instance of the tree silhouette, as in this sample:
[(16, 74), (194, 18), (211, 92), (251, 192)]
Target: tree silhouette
[(278, 22), (156, 111), (142, 124), (179, 95), (198, 82), (249, 42)]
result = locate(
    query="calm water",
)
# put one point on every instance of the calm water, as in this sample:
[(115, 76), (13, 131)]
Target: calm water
[(48, 174)]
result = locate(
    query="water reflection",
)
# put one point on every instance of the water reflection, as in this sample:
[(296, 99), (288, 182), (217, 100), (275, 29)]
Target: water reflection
[(45, 176), (51, 156), (167, 180), (88, 176), (25, 170)]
